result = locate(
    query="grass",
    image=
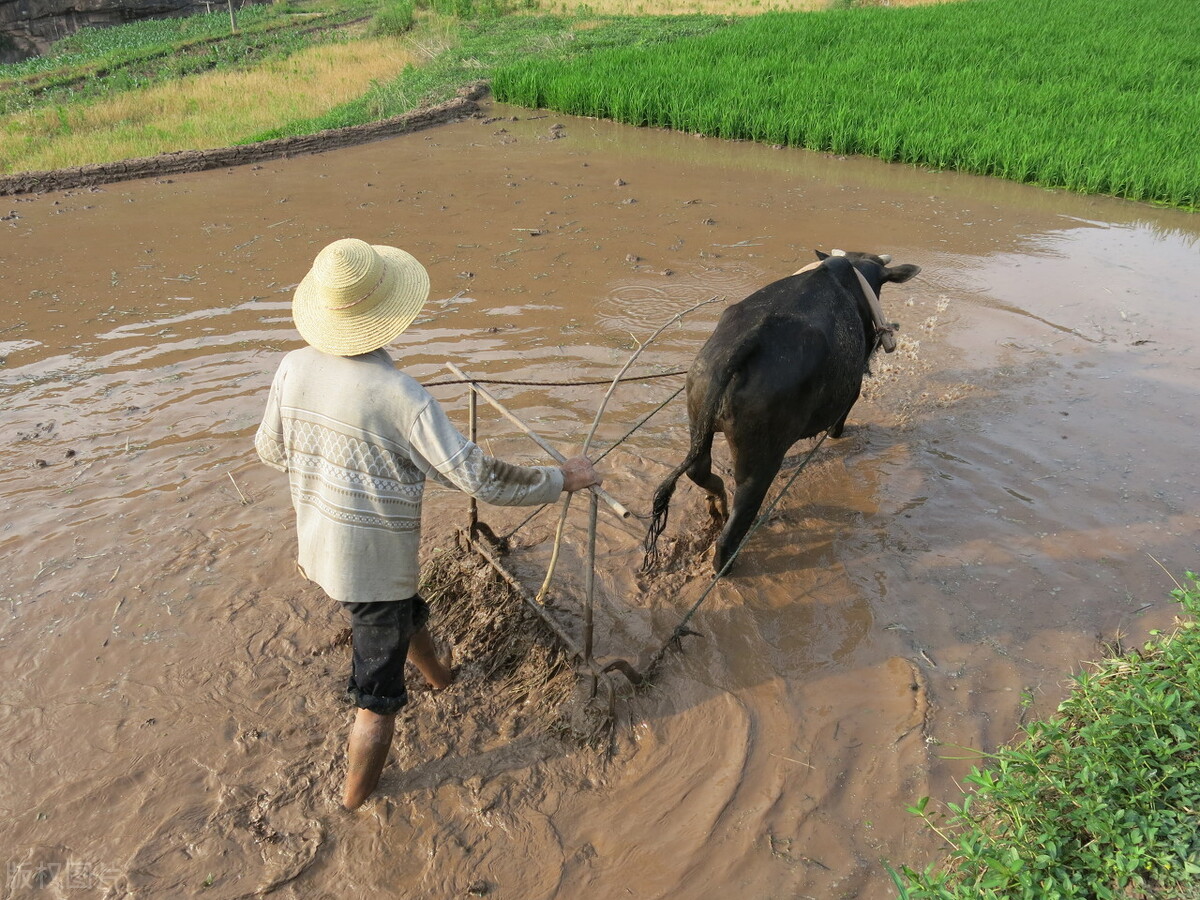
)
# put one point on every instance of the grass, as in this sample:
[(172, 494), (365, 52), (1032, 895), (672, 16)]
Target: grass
[(463, 51), (98, 62), (395, 19), (1096, 96), (214, 109), (1101, 802)]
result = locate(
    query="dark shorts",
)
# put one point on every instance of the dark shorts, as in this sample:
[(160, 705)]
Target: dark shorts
[(380, 633)]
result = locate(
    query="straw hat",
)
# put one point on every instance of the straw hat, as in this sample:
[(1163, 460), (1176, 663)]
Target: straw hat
[(358, 297)]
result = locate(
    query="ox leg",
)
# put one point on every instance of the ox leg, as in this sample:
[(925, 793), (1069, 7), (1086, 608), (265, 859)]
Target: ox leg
[(747, 499), (754, 468), (840, 425), (702, 474)]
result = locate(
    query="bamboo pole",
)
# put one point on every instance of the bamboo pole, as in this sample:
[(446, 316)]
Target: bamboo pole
[(473, 434), (552, 566), (589, 594), (587, 442), (617, 507)]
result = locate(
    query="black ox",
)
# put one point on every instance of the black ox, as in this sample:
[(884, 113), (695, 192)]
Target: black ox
[(784, 364)]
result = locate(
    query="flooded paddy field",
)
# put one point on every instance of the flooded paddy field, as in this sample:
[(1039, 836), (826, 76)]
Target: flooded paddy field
[(995, 515)]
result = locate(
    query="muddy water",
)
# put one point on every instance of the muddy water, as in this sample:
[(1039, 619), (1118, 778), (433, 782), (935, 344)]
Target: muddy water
[(992, 518)]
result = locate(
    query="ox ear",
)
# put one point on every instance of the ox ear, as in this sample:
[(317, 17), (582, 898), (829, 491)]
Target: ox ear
[(821, 256), (900, 274)]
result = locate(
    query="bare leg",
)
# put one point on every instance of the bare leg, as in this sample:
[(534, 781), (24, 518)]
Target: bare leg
[(370, 740), (421, 653), (371, 734)]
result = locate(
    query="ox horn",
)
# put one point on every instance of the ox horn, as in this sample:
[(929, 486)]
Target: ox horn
[(887, 260), (837, 252)]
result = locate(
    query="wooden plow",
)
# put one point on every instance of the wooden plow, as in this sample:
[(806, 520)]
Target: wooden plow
[(579, 647)]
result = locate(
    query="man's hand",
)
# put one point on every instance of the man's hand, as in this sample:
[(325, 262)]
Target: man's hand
[(578, 474)]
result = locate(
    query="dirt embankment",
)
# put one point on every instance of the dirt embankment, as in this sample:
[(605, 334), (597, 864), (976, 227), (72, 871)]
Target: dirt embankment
[(463, 105)]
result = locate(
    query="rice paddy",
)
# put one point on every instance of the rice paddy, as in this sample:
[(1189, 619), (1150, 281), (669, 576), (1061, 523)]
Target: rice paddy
[(1096, 96)]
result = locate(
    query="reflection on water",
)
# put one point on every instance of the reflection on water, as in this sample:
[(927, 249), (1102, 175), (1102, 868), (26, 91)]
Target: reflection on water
[(169, 692)]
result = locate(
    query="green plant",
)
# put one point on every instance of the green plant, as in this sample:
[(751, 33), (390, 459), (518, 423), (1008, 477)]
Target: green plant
[(97, 62), (1010, 88), (1099, 802), (395, 19)]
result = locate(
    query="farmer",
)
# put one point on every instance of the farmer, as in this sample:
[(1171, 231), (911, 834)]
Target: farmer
[(358, 438)]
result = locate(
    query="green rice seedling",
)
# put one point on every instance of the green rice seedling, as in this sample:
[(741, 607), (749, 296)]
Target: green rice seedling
[(1090, 95)]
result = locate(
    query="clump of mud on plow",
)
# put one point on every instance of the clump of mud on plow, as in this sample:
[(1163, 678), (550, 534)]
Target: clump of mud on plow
[(514, 678)]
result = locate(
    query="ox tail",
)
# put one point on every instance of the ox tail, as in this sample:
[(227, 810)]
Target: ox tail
[(660, 508)]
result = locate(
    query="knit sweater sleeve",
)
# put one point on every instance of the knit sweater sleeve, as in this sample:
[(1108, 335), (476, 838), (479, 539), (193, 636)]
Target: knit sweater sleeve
[(447, 457), (268, 440)]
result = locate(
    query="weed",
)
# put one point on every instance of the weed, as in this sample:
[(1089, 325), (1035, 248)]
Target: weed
[(1097, 803), (394, 20)]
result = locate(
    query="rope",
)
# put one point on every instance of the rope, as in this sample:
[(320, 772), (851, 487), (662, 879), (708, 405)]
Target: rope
[(550, 383), (646, 418), (682, 628)]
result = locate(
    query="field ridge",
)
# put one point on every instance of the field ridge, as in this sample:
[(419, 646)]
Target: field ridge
[(184, 161)]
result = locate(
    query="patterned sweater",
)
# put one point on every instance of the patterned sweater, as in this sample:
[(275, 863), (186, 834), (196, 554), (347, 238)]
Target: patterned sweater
[(357, 439)]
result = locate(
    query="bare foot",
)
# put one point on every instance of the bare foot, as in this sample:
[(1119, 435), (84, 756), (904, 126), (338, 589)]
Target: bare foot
[(448, 672), (423, 655)]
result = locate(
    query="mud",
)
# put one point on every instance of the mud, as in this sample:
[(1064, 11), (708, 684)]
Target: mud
[(995, 516)]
